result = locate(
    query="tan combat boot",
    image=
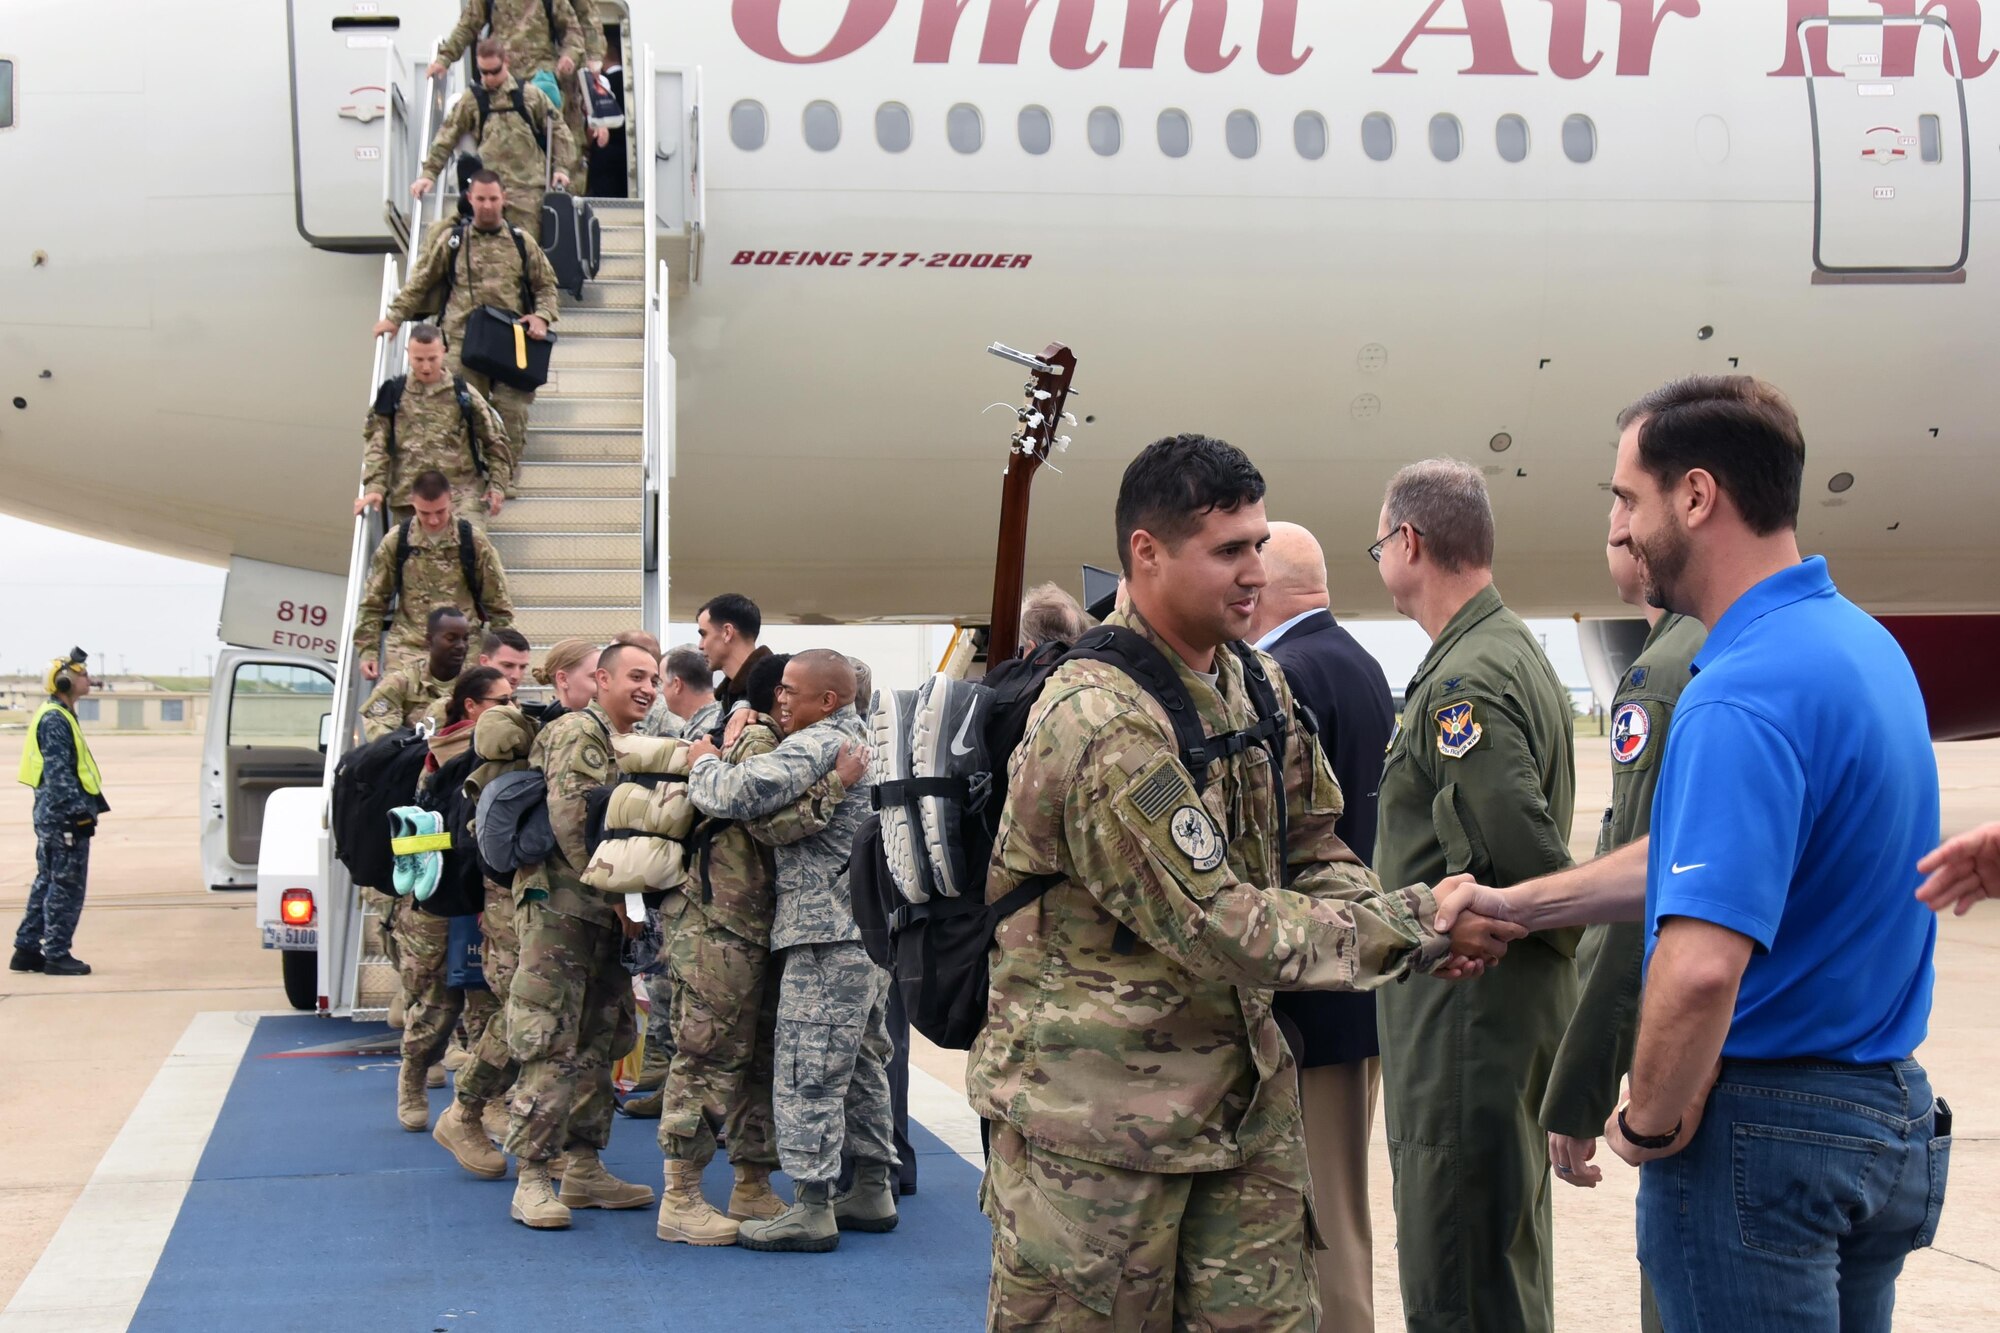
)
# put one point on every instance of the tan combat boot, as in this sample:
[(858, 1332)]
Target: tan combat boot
[(807, 1227), (413, 1105), (434, 1076), (395, 1015), (687, 1217), (870, 1205), (752, 1199), (586, 1184), (535, 1202), (494, 1121), (644, 1106), (459, 1133)]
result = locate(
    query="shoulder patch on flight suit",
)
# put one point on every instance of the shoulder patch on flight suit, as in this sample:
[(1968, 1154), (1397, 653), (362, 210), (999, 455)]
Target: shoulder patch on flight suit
[(380, 708), (1197, 837), (1631, 729), (1638, 676), (1457, 732), (592, 754)]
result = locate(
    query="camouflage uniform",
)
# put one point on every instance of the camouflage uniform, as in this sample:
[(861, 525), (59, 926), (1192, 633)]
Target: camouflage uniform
[(431, 1008), (661, 721), (570, 1003), (575, 107), (1148, 1168), (488, 272), (493, 1068), (403, 697), (507, 146), (1480, 778), (1596, 1050), (62, 853), (432, 577), (832, 1036), (522, 26), (430, 435)]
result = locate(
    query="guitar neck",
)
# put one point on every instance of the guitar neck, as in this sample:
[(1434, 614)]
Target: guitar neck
[(1003, 633)]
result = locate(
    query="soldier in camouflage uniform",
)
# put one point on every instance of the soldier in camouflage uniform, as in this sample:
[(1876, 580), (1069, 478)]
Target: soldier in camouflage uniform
[(487, 261), (432, 435), (1596, 1050), (571, 1001), (1147, 1167), (1480, 779), (832, 1035), (538, 34), (69, 796), (407, 695), (576, 103), (433, 576), (515, 145)]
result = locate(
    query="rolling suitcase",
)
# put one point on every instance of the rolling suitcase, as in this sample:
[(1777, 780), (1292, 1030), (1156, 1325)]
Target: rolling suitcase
[(572, 240)]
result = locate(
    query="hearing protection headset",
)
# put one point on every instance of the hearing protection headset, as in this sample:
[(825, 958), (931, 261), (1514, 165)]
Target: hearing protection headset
[(63, 671)]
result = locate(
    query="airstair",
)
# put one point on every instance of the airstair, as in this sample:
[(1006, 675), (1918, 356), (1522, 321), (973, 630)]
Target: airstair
[(584, 540)]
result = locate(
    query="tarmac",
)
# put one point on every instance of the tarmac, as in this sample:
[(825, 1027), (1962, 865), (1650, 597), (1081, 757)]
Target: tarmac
[(77, 1056)]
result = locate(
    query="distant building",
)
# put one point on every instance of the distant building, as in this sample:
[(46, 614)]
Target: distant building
[(117, 703)]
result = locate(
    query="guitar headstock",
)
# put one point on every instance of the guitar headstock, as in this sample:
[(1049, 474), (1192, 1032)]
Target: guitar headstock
[(1045, 397)]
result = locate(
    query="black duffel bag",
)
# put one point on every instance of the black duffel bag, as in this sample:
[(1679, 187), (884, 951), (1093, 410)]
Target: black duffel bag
[(496, 344)]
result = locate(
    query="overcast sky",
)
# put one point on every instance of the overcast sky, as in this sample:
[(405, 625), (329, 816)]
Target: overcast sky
[(136, 611)]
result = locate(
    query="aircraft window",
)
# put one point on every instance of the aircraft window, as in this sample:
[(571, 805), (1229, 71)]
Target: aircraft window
[(1107, 132), (1447, 139), (1176, 135), (1036, 129), (1511, 135), (1309, 135), (1930, 141), (6, 94), (746, 126), (892, 127), (1378, 136), (1579, 139), (1241, 133), (963, 127), (822, 121)]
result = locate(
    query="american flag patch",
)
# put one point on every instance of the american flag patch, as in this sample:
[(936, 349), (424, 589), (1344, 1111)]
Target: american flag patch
[(1160, 792)]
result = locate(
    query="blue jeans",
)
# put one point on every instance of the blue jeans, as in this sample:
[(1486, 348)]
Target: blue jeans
[(1803, 1190)]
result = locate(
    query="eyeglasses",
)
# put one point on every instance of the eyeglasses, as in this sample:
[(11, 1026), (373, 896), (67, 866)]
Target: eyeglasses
[(1375, 551), (504, 701)]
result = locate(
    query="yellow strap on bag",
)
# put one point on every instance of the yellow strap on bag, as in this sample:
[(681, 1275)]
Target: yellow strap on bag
[(520, 347), (419, 843)]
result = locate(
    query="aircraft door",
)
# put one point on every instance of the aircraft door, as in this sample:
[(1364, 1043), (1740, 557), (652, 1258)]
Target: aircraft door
[(1892, 176)]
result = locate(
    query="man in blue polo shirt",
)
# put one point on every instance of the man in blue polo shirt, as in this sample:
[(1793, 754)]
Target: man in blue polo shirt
[(1793, 1153)]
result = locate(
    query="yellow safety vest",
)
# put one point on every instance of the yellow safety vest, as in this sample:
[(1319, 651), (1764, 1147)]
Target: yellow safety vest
[(31, 755)]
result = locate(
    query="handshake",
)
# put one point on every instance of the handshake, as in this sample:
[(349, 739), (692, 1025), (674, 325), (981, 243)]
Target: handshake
[(1479, 922)]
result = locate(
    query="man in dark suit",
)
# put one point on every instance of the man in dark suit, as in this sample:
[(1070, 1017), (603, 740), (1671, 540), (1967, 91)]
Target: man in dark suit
[(1333, 1034)]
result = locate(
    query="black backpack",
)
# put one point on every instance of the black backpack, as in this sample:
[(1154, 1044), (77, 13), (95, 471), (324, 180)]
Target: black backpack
[(389, 398), (468, 566), (461, 889), (519, 107), (369, 782), (938, 949)]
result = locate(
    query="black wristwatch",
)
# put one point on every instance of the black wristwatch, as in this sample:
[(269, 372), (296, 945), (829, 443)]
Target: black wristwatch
[(1650, 1142)]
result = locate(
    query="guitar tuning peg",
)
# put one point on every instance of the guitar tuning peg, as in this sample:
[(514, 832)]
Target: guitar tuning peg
[(1043, 395), (1033, 418), (1062, 443), (1069, 418)]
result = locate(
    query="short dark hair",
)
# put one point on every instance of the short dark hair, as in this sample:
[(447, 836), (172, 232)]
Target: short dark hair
[(1174, 481), (766, 674), (431, 485), (438, 615), (690, 667), (426, 333), (608, 659), (1738, 429), (470, 687), (1445, 500), (484, 176), (733, 608), (490, 46), (496, 639)]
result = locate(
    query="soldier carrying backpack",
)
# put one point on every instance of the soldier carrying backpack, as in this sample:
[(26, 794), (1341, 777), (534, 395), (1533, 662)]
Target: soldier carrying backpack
[(428, 561), (429, 421)]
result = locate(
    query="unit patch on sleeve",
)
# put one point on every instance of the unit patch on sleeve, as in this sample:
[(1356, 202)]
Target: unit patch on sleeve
[(1631, 728), (1457, 732), (1197, 837)]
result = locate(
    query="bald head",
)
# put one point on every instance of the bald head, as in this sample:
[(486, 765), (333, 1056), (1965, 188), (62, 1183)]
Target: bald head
[(1295, 574), (818, 683)]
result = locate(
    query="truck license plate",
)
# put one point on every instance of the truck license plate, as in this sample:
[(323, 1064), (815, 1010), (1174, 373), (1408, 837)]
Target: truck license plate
[(291, 937)]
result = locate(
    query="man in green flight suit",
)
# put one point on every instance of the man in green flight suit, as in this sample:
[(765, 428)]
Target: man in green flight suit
[(1479, 773), (1596, 1051)]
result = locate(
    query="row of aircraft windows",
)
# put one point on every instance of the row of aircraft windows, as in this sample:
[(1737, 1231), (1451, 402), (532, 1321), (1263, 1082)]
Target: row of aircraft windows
[(965, 131)]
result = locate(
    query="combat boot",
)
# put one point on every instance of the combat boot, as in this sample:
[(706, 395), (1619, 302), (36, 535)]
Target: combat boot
[(753, 1199), (456, 1058), (586, 1184), (684, 1215), (647, 1106), (535, 1202), (394, 1018), (65, 965), (434, 1076), (494, 1120), (870, 1205), (26, 960), (413, 1104), (461, 1135), (808, 1225)]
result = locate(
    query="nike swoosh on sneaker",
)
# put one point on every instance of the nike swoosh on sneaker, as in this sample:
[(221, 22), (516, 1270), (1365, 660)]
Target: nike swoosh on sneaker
[(1680, 869), (959, 745)]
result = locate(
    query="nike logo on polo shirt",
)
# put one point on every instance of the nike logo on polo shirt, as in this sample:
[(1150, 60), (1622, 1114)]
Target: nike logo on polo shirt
[(1680, 869)]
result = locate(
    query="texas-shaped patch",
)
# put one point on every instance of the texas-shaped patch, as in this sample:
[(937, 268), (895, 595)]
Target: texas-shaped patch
[(1631, 728), (1457, 732)]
